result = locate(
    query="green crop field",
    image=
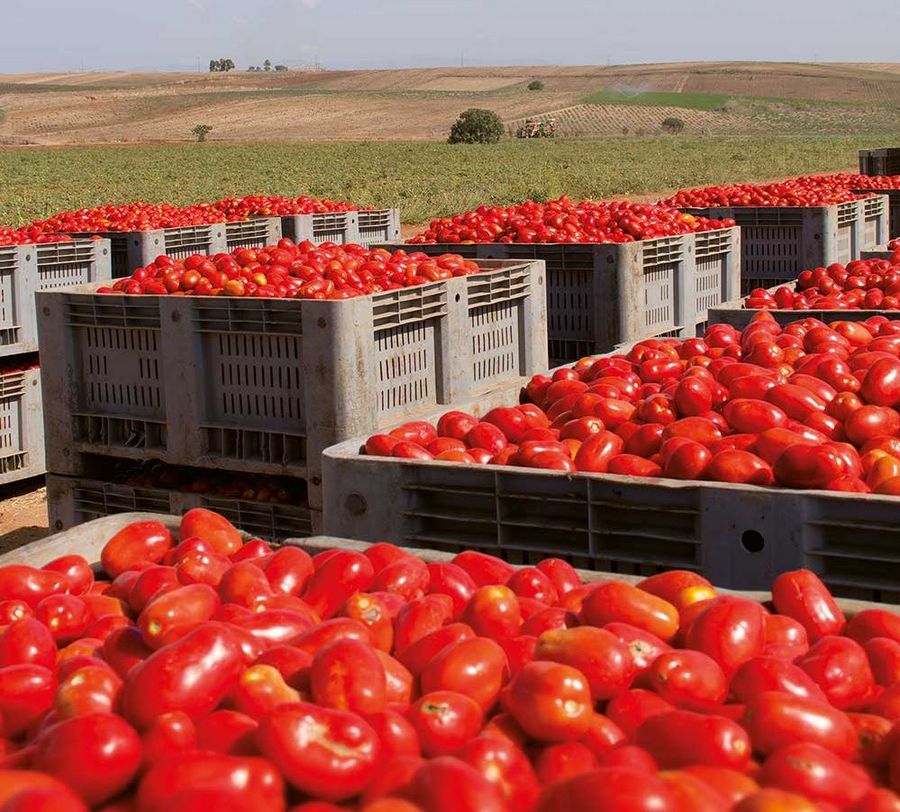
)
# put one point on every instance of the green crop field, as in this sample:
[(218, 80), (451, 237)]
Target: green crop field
[(423, 179)]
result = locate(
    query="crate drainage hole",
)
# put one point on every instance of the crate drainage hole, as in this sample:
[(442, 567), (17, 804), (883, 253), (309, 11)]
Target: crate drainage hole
[(752, 541)]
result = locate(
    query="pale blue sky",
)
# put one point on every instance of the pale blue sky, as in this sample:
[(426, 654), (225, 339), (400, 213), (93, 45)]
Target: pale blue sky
[(175, 34)]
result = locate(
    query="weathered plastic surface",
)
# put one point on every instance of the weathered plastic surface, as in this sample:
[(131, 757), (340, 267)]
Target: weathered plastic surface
[(71, 501), (739, 537), (135, 249), (339, 227), (734, 313), (893, 229), (378, 226), (21, 426), (880, 252), (777, 242), (885, 161), (601, 295), (26, 269), (253, 233), (88, 540), (263, 385)]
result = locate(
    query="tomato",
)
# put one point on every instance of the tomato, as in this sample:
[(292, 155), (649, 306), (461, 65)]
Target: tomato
[(598, 654), (681, 738), (841, 669), (869, 623), (192, 674), (445, 721), (253, 780), (476, 667), (802, 596), (763, 674), (694, 793), (26, 694), (97, 755), (815, 772), (776, 800), (136, 544), (620, 788), (617, 601), (730, 630), (331, 754), (774, 719), (341, 576), (734, 786), (89, 689), (27, 641), (506, 766), (550, 701), (448, 784), (688, 679), (632, 708), (643, 647), (493, 611)]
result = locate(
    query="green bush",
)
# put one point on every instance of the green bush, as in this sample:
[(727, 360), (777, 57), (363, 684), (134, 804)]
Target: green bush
[(201, 131), (537, 84), (672, 125), (476, 126)]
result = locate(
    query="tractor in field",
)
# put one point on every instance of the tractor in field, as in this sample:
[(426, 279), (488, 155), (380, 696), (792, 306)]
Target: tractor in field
[(537, 128)]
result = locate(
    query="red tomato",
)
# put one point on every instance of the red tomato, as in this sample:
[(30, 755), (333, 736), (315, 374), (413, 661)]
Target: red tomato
[(331, 754), (476, 667), (551, 701), (681, 738), (817, 773), (445, 721), (620, 788), (617, 601)]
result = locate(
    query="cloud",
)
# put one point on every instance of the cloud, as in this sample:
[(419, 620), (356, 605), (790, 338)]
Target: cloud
[(309, 4)]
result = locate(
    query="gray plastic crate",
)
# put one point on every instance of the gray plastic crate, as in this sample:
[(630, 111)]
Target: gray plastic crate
[(72, 501), (25, 269), (378, 226), (881, 252), (263, 385), (777, 242), (601, 295), (135, 249), (734, 313), (339, 227), (740, 537), (884, 161), (893, 230), (253, 233), (21, 426), (875, 219)]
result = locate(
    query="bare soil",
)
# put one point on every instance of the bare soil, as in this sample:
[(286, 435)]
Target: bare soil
[(23, 514), (402, 104)]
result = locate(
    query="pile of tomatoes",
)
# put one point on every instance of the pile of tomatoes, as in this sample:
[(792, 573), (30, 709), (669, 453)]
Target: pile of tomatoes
[(289, 271), (807, 406), (277, 206), (809, 191), (564, 221), (871, 284), (28, 236), (843, 180), (212, 674), (129, 217)]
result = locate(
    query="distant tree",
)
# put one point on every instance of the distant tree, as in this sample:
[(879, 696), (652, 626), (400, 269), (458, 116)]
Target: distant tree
[(201, 131), (267, 65), (227, 65), (672, 125), (476, 126), (537, 84), (213, 65), (281, 67)]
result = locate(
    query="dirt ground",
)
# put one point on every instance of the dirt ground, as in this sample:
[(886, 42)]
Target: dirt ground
[(407, 104), (23, 514)]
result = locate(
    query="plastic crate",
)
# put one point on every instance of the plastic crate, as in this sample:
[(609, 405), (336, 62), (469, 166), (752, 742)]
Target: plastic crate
[(263, 385), (881, 252), (378, 226), (135, 249), (893, 229), (25, 269), (253, 233), (734, 313), (21, 426), (879, 161), (601, 295), (739, 537), (71, 501), (339, 227), (777, 242)]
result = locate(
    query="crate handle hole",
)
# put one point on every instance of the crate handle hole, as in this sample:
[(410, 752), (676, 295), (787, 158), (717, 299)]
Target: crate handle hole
[(752, 541), (356, 504)]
